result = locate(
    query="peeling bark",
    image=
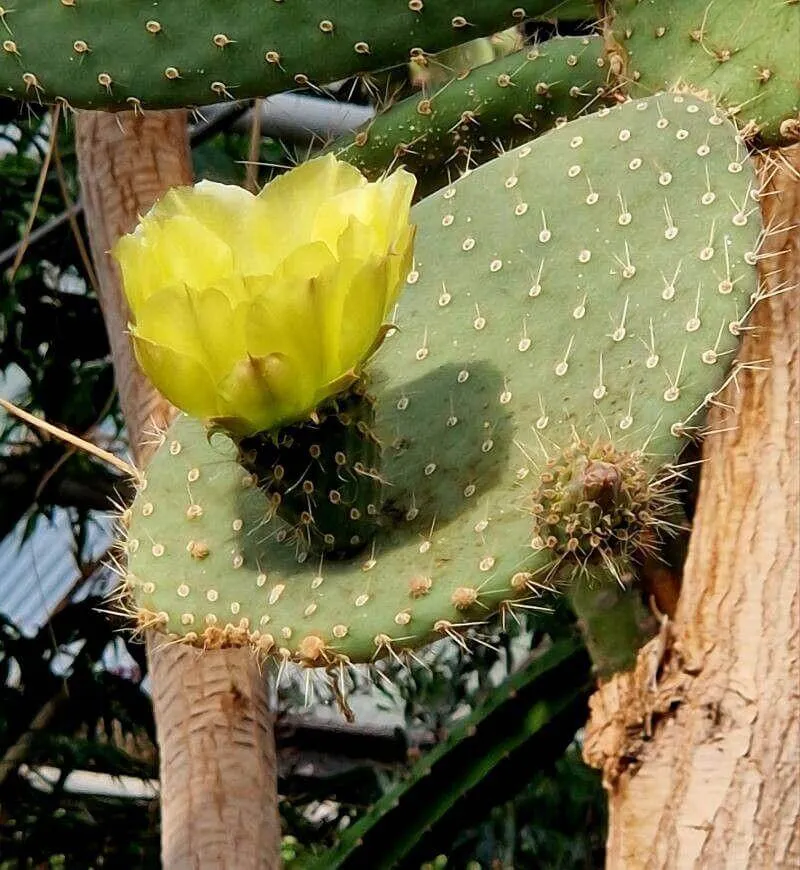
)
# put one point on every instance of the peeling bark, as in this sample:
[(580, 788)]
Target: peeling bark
[(700, 744), (216, 743)]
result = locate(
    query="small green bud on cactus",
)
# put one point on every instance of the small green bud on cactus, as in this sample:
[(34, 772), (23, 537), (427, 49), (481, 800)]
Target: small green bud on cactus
[(597, 505)]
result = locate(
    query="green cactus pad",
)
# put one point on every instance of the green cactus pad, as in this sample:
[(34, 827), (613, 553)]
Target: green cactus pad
[(589, 285), (743, 53), (512, 98), (128, 54)]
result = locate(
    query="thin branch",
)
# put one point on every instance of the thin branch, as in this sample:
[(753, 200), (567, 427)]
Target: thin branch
[(41, 232), (251, 172), (73, 221), (69, 438), (49, 474), (23, 245)]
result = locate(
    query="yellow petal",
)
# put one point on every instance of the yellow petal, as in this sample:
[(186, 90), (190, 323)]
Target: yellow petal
[(362, 314), (235, 289), (331, 291), (183, 380), (357, 239), (139, 273), (304, 262), (230, 213), (292, 200), (401, 259), (334, 215), (262, 393), (383, 206), (188, 252), (294, 334), (178, 250), (223, 208), (197, 323), (394, 204), (166, 318), (207, 201), (400, 187), (286, 312)]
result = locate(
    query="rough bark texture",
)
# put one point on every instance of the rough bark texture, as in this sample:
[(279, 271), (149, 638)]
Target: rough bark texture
[(700, 745), (126, 162), (216, 743), (217, 756)]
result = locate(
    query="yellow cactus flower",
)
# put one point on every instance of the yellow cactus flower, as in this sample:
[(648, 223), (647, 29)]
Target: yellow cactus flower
[(249, 311)]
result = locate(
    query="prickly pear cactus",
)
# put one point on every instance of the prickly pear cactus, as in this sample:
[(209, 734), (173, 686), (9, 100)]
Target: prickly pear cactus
[(742, 53), (336, 457), (573, 307), (192, 52), (513, 97)]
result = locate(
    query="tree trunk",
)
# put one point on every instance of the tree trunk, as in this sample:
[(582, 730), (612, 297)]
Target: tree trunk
[(216, 744), (700, 745), (126, 162)]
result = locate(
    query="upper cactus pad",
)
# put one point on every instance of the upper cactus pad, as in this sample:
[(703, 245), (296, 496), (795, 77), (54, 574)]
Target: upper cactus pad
[(128, 54), (512, 98), (589, 285), (743, 53)]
